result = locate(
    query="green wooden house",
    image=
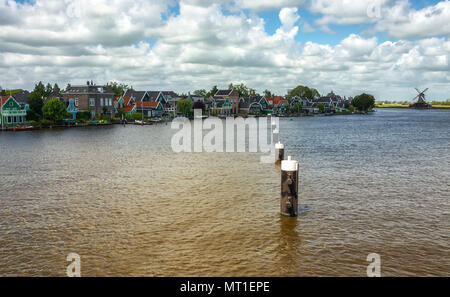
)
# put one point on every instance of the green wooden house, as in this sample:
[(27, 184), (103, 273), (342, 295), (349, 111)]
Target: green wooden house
[(11, 113)]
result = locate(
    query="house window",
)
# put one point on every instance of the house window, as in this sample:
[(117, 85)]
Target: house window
[(101, 101), (91, 102), (110, 101), (76, 102)]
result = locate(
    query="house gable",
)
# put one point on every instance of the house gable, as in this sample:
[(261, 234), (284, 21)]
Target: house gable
[(264, 103), (161, 98), (10, 104)]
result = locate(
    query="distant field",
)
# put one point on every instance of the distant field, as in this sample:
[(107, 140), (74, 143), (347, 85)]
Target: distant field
[(393, 105), (441, 106)]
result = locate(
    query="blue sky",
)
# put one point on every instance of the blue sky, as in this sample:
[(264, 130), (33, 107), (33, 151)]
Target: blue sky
[(185, 45)]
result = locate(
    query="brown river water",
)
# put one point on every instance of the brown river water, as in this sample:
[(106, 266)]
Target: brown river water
[(129, 206)]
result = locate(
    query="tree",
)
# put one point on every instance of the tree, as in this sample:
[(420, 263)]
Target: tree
[(364, 102), (243, 90), (48, 90), (268, 94), (304, 92), (116, 88), (201, 92), (35, 104), (56, 88), (212, 92), (297, 108), (55, 110), (184, 106), (321, 107), (39, 89)]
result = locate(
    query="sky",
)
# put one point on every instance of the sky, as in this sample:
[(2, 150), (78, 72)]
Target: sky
[(382, 47)]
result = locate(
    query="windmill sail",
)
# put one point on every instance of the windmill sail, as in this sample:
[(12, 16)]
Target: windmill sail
[(421, 103)]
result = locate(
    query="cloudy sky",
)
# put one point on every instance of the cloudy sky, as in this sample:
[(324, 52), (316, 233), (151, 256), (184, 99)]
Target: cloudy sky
[(380, 46)]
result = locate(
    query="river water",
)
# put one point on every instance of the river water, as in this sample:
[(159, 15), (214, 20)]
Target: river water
[(129, 206)]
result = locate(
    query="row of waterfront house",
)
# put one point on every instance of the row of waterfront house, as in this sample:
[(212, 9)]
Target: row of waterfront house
[(100, 100)]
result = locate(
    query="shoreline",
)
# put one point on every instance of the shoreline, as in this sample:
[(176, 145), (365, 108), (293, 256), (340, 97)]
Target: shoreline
[(407, 107)]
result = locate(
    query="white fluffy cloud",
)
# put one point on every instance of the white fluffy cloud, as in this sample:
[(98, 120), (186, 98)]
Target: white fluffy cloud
[(346, 12), (266, 4), (288, 17), (401, 21), (143, 44)]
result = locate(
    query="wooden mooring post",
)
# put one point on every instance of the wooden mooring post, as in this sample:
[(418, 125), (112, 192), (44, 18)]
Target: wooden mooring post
[(276, 136), (279, 152), (289, 187)]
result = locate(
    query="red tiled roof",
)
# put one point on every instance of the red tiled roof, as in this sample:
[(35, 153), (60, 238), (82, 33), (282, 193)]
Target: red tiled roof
[(126, 100), (277, 100), (127, 108), (3, 99), (153, 104)]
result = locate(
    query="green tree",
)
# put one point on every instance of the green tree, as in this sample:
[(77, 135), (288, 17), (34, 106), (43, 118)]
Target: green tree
[(39, 89), (243, 90), (116, 88), (35, 104), (321, 107), (184, 106), (297, 108), (212, 92), (56, 88), (201, 92), (55, 110), (48, 90), (364, 102), (304, 92), (268, 94)]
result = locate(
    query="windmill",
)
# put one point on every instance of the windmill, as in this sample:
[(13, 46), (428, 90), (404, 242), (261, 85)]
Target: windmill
[(421, 103)]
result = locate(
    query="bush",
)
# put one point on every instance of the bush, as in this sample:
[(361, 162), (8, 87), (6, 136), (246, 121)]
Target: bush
[(46, 123), (321, 107), (33, 123), (33, 116), (84, 115), (136, 116)]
